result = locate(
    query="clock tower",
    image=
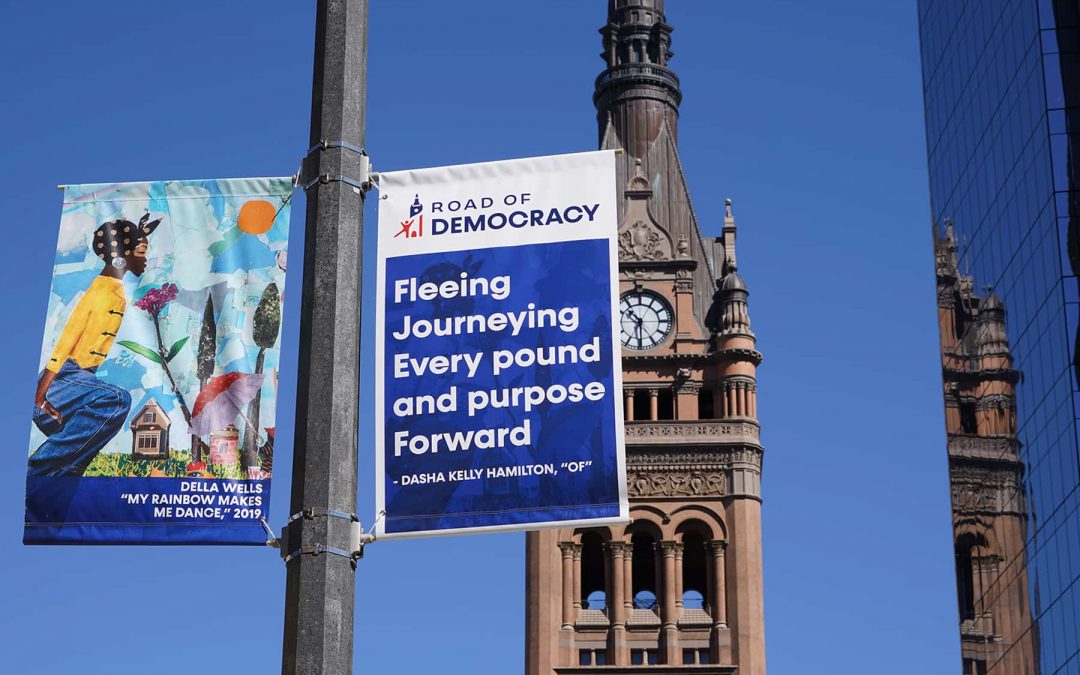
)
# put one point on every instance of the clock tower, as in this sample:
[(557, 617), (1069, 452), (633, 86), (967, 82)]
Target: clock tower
[(681, 585)]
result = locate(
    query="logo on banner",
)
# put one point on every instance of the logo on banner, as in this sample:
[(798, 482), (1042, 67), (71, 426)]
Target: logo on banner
[(414, 226)]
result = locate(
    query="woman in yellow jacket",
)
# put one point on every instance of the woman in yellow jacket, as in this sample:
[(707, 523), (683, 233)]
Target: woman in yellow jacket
[(79, 412)]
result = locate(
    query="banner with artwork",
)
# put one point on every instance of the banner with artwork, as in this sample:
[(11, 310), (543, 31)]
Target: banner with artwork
[(154, 406), (498, 387)]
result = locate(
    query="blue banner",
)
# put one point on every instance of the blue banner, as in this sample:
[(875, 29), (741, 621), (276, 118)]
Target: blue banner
[(499, 387)]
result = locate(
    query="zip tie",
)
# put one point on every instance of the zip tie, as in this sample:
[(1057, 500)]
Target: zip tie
[(371, 532)]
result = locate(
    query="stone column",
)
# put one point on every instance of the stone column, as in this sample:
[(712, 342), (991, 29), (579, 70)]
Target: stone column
[(747, 618), (670, 629), (628, 397), (721, 644), (678, 581), (654, 404), (577, 577), (568, 618), (719, 595), (617, 646), (549, 646)]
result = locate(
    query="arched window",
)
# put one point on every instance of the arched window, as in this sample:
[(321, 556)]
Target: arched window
[(960, 320), (596, 600), (966, 586), (968, 420), (593, 572), (695, 571), (644, 570)]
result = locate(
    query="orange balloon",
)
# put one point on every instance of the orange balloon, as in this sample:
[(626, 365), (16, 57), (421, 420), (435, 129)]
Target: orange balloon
[(256, 216)]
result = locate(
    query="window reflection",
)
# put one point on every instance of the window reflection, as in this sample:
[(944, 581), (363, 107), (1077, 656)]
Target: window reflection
[(985, 467), (1002, 95)]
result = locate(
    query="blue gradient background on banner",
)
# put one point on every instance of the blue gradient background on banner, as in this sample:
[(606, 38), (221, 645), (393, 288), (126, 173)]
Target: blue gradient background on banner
[(555, 275)]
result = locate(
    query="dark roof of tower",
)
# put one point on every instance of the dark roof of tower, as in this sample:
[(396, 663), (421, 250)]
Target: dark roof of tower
[(732, 281), (991, 303)]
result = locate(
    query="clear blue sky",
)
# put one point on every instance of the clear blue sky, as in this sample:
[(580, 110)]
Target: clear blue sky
[(808, 115)]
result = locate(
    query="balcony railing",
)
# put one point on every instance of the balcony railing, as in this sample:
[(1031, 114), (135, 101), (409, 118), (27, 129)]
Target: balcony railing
[(638, 71), (691, 433)]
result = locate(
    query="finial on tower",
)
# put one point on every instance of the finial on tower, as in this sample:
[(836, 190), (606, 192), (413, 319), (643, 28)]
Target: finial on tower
[(728, 236)]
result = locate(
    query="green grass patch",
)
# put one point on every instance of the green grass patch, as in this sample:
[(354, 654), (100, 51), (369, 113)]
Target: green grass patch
[(121, 464)]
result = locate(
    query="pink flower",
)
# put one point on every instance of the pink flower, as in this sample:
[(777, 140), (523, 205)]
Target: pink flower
[(156, 298)]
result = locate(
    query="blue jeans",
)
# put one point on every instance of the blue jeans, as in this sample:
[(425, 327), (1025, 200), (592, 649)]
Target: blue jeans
[(93, 412)]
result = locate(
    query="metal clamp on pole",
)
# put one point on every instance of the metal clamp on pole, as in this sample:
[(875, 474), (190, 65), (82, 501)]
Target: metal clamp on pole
[(326, 145), (357, 537), (313, 512), (363, 181)]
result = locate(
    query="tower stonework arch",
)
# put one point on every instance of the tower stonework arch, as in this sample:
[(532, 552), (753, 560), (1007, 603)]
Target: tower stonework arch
[(683, 581)]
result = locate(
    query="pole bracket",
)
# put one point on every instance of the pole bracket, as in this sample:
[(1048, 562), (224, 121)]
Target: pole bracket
[(363, 182), (357, 537), (319, 549)]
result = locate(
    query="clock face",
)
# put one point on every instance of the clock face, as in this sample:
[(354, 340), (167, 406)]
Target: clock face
[(645, 320)]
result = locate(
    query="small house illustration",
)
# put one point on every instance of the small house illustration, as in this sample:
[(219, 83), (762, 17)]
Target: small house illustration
[(150, 432), (223, 446)]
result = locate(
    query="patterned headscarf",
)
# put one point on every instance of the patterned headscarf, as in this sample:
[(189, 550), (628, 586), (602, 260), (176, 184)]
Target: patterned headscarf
[(118, 238)]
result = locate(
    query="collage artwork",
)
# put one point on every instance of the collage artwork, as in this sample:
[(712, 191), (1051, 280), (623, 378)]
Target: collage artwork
[(159, 360)]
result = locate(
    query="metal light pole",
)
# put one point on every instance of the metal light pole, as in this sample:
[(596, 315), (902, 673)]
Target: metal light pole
[(320, 582)]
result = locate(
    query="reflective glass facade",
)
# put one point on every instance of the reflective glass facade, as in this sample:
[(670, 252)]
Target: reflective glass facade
[(1001, 81)]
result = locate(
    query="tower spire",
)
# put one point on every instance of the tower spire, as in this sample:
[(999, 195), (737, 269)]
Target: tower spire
[(637, 91), (728, 235)]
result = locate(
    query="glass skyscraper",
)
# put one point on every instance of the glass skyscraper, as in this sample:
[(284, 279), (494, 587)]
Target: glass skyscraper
[(1001, 82)]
